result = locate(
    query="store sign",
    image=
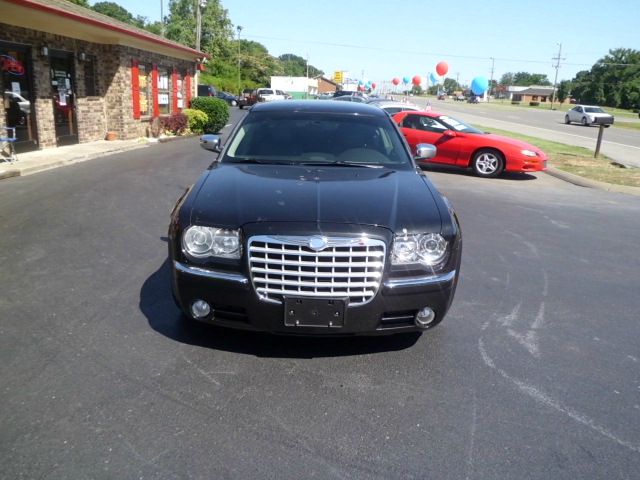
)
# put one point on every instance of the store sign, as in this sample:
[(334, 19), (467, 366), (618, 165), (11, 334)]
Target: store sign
[(11, 65)]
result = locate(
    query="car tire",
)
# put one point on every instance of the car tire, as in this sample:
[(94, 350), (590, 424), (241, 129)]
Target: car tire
[(488, 163), (567, 120), (233, 103), (584, 122), (240, 107)]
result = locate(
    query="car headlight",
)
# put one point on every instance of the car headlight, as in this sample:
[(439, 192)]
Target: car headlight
[(426, 248), (529, 153), (201, 242)]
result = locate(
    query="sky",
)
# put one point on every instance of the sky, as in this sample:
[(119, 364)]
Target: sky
[(376, 40)]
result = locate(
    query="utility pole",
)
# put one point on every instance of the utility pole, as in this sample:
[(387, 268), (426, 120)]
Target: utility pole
[(491, 81), (556, 66), (239, 29), (162, 18), (199, 4)]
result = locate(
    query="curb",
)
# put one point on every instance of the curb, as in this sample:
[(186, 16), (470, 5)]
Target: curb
[(585, 182)]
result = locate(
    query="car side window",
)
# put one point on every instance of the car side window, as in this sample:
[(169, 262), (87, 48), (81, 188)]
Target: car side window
[(412, 121), (431, 125)]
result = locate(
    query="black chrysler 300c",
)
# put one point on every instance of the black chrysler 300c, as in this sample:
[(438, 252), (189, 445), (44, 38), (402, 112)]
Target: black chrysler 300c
[(315, 220)]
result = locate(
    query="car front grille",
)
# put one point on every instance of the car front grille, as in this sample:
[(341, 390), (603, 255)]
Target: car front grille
[(337, 267)]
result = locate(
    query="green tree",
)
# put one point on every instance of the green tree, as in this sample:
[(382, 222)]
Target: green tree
[(82, 3), (295, 66), (450, 85), (216, 28), (564, 89), (113, 10), (526, 79), (506, 79), (613, 81)]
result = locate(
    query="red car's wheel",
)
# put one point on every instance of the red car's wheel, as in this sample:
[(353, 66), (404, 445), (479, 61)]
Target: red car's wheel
[(488, 163)]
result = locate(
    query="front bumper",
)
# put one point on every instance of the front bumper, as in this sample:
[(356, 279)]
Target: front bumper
[(235, 304), (522, 163)]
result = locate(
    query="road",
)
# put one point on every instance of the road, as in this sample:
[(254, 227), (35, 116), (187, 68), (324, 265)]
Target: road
[(620, 144), (534, 374)]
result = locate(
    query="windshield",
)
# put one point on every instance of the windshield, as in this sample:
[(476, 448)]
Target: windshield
[(458, 125), (318, 139), (593, 110)]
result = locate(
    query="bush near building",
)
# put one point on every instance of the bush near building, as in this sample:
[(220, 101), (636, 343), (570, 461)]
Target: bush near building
[(197, 120), (217, 112)]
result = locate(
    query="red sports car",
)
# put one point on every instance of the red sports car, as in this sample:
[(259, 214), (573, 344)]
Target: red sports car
[(464, 146)]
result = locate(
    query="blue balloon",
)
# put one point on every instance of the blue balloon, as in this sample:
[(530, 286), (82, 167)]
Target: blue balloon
[(433, 79), (405, 80), (479, 85)]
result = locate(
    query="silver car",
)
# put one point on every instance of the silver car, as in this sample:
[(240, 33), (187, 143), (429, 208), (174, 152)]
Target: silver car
[(588, 115)]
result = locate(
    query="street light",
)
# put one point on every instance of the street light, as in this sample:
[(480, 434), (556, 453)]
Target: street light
[(239, 29)]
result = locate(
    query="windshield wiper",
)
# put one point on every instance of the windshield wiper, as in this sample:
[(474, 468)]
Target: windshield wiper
[(341, 163), (253, 161)]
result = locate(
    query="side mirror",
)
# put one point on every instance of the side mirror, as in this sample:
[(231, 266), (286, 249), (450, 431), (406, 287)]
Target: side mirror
[(425, 151), (450, 133), (211, 143)]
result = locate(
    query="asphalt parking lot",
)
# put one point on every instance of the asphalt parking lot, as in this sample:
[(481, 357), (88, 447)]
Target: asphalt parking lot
[(533, 374)]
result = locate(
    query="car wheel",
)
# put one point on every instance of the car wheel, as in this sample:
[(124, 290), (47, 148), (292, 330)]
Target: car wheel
[(233, 103), (240, 107), (566, 119), (584, 121), (488, 163)]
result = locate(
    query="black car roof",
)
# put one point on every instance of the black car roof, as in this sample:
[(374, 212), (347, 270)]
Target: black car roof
[(317, 106)]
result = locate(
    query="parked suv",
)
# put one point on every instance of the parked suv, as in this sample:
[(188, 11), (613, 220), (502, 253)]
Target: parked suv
[(207, 91)]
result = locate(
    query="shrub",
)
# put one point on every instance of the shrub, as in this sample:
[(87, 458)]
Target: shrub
[(515, 102), (176, 123), (217, 112), (534, 104), (197, 119)]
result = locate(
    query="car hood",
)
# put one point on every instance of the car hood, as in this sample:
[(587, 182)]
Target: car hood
[(510, 141), (233, 195)]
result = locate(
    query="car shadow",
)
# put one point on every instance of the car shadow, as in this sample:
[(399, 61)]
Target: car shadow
[(469, 173), (156, 303)]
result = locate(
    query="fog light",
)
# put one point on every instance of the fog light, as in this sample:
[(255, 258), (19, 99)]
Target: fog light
[(425, 317), (200, 309)]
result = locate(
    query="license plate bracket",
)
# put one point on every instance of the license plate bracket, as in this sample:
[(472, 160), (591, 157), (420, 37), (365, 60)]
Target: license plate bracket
[(314, 312)]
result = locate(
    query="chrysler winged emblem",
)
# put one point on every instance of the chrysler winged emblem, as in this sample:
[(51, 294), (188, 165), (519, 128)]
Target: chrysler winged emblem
[(318, 243)]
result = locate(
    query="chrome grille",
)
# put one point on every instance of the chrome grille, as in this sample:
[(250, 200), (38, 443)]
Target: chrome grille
[(288, 266)]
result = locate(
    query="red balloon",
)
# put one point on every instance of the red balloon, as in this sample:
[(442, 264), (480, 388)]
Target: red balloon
[(442, 68), (395, 81), (417, 80), (373, 85)]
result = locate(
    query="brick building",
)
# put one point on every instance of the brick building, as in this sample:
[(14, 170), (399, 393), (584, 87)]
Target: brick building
[(69, 74)]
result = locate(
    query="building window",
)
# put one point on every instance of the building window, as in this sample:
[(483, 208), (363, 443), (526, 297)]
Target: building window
[(534, 98), (164, 91), (90, 80), (144, 83)]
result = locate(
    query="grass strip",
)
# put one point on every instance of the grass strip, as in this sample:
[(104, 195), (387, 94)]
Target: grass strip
[(577, 160)]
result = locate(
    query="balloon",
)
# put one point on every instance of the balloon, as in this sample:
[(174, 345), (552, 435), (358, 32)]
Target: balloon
[(433, 79), (373, 85), (405, 80), (395, 81), (479, 85), (417, 80), (442, 68)]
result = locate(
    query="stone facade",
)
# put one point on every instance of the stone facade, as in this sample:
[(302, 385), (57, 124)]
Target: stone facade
[(110, 108)]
